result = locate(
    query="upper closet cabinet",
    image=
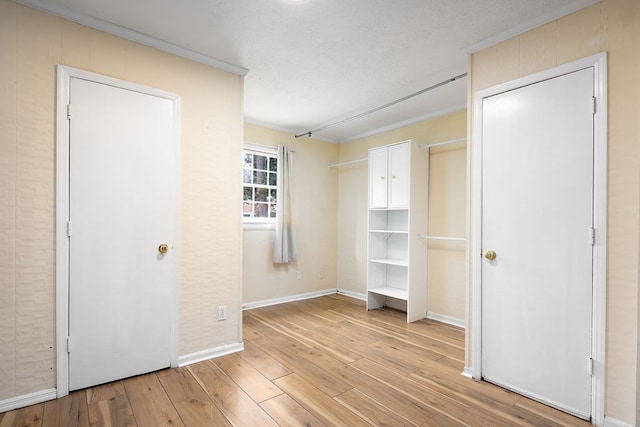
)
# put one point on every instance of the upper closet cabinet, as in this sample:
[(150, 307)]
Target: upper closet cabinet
[(389, 174)]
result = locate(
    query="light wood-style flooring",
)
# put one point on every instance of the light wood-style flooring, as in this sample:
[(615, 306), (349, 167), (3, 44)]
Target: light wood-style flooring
[(323, 361)]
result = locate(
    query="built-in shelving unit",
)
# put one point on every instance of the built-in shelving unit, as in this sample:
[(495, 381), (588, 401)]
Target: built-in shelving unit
[(396, 271)]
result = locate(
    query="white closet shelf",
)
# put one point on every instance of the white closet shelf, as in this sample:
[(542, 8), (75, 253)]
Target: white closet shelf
[(454, 239), (350, 162), (390, 231), (391, 261), (388, 291), (437, 144)]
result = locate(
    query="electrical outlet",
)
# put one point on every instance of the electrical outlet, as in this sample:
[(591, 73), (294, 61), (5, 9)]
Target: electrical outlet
[(222, 312), (299, 275)]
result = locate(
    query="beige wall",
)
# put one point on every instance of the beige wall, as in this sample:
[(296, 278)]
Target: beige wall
[(31, 44), (447, 212), (612, 26), (315, 206)]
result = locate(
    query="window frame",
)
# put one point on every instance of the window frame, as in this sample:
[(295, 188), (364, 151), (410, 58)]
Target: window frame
[(253, 222)]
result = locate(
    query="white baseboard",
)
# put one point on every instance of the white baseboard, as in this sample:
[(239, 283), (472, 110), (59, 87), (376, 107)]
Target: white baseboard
[(612, 422), (27, 399), (460, 323), (468, 372), (290, 298), (356, 295), (210, 353)]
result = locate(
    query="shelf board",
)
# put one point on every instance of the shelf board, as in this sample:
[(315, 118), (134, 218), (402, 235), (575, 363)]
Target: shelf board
[(402, 294), (391, 261), (390, 231)]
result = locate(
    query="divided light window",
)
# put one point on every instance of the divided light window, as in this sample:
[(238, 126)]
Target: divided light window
[(260, 189)]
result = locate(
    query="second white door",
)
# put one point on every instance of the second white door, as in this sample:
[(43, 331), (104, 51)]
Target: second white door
[(537, 216)]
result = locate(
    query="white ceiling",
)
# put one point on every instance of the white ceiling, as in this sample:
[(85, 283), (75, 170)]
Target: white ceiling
[(312, 63)]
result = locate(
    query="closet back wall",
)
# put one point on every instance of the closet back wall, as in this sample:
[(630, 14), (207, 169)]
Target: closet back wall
[(447, 214)]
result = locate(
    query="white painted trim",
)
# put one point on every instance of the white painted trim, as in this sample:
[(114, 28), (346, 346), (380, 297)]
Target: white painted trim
[(567, 9), (27, 399), (259, 226), (126, 33), (62, 242), (599, 62), (212, 353), (467, 372), (351, 294), (289, 298), (64, 75), (443, 318), (612, 422), (600, 159)]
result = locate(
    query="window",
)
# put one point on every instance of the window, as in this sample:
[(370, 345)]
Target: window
[(260, 189)]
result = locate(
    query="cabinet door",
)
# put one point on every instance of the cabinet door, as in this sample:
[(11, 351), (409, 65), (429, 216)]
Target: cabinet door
[(399, 172), (378, 178)]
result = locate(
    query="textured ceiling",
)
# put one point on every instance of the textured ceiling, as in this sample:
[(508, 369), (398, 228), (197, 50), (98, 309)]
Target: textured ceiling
[(316, 62)]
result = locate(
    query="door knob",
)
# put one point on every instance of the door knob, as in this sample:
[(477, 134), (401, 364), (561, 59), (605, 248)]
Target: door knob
[(490, 255), (163, 248)]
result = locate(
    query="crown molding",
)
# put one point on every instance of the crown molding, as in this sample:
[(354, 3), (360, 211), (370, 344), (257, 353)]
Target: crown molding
[(132, 35), (569, 8)]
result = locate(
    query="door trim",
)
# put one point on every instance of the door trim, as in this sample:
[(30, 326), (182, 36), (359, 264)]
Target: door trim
[(598, 350), (63, 84)]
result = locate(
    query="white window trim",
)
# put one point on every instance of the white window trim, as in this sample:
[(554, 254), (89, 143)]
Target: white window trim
[(252, 223)]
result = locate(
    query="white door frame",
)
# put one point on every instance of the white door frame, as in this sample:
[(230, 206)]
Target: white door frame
[(64, 76), (599, 62)]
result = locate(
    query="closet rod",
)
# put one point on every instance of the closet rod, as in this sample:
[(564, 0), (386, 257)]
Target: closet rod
[(350, 162), (455, 239), (388, 104), (436, 144)]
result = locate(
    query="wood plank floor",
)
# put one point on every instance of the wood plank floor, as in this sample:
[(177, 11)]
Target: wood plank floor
[(319, 362)]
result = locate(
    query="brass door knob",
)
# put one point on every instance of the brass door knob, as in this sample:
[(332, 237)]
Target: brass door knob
[(163, 248), (490, 255)]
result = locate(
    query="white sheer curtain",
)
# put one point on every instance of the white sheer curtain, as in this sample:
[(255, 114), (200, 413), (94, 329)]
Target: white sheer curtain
[(284, 248)]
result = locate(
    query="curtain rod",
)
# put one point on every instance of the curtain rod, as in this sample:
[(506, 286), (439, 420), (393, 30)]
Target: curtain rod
[(388, 104)]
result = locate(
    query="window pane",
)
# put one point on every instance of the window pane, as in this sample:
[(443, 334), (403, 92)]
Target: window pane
[(260, 177), (248, 193), (260, 162), (246, 161), (261, 210), (261, 194), (247, 209), (246, 176)]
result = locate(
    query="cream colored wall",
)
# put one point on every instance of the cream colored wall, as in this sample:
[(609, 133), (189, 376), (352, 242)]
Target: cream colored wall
[(612, 26), (315, 206), (447, 217), (31, 44), (447, 212)]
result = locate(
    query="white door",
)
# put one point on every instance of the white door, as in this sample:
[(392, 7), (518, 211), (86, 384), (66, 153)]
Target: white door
[(123, 204), (399, 174), (537, 204), (378, 178)]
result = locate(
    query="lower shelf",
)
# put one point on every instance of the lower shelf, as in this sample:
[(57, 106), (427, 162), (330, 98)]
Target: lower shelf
[(402, 294)]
